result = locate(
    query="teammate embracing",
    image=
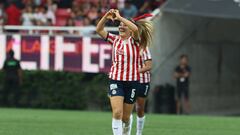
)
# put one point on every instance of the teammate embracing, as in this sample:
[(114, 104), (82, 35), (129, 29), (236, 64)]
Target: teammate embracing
[(124, 74)]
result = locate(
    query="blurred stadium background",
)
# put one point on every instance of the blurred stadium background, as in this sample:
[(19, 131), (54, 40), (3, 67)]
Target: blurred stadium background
[(65, 65)]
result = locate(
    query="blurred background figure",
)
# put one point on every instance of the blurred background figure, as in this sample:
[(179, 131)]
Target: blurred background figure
[(27, 16), (13, 15), (130, 10), (39, 16), (12, 81), (182, 74)]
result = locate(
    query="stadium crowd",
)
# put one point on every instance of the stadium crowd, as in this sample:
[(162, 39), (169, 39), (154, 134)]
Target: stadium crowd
[(68, 12)]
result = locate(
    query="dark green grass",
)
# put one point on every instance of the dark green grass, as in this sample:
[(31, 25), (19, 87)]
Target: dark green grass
[(49, 122)]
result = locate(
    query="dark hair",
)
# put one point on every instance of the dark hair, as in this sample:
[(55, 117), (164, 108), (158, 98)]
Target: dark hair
[(11, 53), (183, 56)]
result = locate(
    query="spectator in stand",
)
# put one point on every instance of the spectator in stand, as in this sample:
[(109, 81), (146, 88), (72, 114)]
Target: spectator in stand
[(13, 14), (86, 7), (95, 21), (77, 12), (93, 12), (121, 4), (79, 15), (27, 16), (87, 23), (37, 2), (19, 3), (51, 5), (70, 22), (39, 16), (49, 14), (130, 10), (27, 3), (138, 3)]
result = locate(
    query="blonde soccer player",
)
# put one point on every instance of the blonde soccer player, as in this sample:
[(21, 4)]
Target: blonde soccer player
[(124, 74)]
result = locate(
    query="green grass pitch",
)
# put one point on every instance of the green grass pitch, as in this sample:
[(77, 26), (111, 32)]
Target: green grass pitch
[(53, 122)]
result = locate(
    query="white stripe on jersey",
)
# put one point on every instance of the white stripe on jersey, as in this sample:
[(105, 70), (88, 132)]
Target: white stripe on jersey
[(125, 59)]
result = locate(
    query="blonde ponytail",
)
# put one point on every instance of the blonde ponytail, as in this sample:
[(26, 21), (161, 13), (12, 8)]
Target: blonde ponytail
[(145, 29)]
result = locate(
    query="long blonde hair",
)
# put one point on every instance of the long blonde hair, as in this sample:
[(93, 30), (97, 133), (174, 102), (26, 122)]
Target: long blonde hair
[(145, 29)]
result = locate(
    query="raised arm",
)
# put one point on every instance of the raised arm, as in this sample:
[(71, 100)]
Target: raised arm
[(101, 24), (130, 24)]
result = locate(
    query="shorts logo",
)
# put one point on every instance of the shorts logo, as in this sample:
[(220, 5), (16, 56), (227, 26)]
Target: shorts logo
[(113, 86), (114, 92)]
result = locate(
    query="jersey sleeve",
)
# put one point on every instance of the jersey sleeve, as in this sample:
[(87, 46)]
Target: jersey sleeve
[(146, 54), (111, 38)]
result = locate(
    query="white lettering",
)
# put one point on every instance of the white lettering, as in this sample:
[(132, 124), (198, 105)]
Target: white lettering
[(60, 48), (44, 53), (104, 56), (89, 48)]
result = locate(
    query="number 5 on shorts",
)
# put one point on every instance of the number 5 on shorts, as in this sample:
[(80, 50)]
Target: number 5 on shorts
[(133, 93)]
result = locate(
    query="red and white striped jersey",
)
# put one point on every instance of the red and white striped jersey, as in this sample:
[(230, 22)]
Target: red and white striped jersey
[(125, 58), (144, 56)]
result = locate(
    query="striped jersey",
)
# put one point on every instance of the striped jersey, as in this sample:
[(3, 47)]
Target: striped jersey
[(125, 58), (144, 56)]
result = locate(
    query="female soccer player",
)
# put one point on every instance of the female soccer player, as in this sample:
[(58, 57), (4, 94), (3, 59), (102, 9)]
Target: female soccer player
[(124, 74), (144, 86)]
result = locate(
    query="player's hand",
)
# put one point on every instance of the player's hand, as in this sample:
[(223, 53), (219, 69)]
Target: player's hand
[(110, 15), (116, 15)]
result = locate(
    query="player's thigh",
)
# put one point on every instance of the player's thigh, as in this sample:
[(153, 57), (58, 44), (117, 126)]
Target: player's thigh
[(116, 95)]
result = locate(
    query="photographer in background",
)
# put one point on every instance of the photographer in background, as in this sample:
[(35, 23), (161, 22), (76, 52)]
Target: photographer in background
[(12, 80), (182, 74)]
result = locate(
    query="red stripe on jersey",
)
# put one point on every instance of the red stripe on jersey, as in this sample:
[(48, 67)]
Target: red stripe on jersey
[(142, 63), (122, 63), (133, 61), (128, 62)]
